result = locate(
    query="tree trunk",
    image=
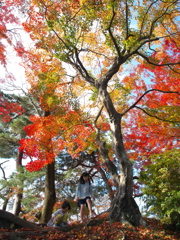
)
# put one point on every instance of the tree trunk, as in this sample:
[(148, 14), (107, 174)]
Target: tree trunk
[(5, 203), (50, 194), (17, 203), (123, 206), (12, 222), (19, 195)]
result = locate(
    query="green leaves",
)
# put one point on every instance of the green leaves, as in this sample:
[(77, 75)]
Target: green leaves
[(161, 180)]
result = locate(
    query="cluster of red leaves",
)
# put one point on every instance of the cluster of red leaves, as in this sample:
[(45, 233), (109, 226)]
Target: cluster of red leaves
[(147, 135), (50, 135), (105, 230), (9, 109), (104, 126)]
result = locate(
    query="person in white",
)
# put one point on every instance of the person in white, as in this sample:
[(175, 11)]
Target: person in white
[(84, 193)]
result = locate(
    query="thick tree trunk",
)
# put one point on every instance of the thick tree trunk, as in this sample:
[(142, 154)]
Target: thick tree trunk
[(50, 194), (5, 203), (124, 209), (19, 195), (123, 206), (12, 222), (17, 203)]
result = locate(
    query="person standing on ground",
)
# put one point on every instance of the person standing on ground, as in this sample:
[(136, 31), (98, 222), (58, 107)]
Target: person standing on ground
[(84, 194)]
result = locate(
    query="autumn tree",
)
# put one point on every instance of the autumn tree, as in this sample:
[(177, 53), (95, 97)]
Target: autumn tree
[(11, 41), (10, 133), (46, 136), (15, 116), (101, 40), (10, 46), (159, 125), (157, 130)]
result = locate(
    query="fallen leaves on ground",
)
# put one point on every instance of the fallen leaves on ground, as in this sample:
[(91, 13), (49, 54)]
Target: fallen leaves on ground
[(102, 229)]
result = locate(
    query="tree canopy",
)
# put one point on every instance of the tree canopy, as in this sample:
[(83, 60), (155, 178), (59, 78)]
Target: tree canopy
[(88, 68)]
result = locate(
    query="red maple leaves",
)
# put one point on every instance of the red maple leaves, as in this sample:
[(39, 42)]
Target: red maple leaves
[(8, 109)]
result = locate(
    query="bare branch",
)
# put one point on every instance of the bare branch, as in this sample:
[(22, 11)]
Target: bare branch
[(2, 169), (98, 115), (60, 38), (138, 48)]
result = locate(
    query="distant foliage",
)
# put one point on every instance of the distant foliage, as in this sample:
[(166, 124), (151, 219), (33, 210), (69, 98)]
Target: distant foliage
[(161, 179)]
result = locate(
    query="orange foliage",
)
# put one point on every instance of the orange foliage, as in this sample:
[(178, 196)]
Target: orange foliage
[(50, 135), (147, 134)]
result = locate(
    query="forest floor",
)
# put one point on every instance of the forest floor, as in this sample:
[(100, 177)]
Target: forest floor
[(98, 229)]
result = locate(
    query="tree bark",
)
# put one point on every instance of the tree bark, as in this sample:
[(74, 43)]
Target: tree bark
[(19, 195), (7, 219), (123, 206), (50, 194)]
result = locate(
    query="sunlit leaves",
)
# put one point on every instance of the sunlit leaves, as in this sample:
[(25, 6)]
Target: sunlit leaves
[(88, 35), (157, 129), (49, 135)]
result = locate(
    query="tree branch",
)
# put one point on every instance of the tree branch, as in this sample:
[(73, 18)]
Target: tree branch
[(151, 115), (2, 169), (142, 25), (89, 50), (173, 70), (163, 13), (127, 26), (148, 91), (82, 69), (111, 35), (104, 152), (155, 64)]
